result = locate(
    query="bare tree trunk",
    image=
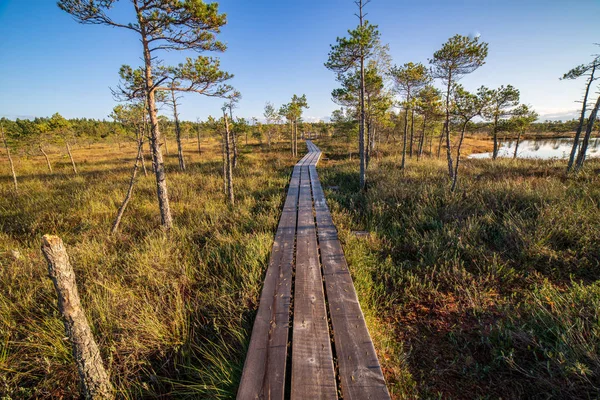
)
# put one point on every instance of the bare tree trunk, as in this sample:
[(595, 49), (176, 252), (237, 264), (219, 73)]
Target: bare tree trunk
[(229, 163), (198, 135), (439, 150), (455, 177), (421, 140), (233, 140), (47, 159), (361, 135), (10, 160), (296, 138), (129, 190), (94, 380), (159, 166), (412, 131), (447, 127), (224, 162), (581, 120), (292, 137), (71, 157), (405, 136), (517, 144), (495, 133), (586, 140), (177, 133)]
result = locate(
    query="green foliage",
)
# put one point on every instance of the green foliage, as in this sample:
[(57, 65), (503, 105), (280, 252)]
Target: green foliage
[(168, 24), (410, 78), (348, 51), (502, 101), (459, 56)]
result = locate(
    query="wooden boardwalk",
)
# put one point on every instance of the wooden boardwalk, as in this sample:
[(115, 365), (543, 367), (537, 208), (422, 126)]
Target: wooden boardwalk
[(328, 351)]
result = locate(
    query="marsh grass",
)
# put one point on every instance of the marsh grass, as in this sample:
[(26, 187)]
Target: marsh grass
[(490, 292), (172, 312)]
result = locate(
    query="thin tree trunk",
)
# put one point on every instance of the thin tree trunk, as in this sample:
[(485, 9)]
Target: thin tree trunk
[(495, 132), (94, 380), (292, 137), (10, 160), (121, 211), (47, 159), (159, 166), (178, 133), (517, 144), (198, 134), (421, 140), (455, 177), (439, 151), (447, 127), (71, 157), (229, 163), (233, 140), (586, 140), (412, 131), (404, 138), (361, 135), (224, 159), (581, 120)]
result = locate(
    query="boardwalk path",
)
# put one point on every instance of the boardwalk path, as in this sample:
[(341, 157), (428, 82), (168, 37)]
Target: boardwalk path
[(308, 288)]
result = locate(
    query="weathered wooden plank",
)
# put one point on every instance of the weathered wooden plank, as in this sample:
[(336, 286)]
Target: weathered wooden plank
[(313, 375), (263, 376), (358, 367)]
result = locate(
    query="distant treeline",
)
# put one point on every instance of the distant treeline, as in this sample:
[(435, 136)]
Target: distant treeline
[(56, 130)]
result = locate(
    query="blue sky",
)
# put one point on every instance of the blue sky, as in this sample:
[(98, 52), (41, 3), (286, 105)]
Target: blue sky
[(49, 63)]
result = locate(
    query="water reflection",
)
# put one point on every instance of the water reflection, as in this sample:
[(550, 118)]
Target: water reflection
[(541, 149)]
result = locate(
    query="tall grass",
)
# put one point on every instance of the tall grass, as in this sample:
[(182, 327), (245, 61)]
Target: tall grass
[(172, 312), (490, 292)]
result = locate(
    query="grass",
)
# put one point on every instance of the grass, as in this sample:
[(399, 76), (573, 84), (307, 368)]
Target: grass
[(172, 313), (491, 292)]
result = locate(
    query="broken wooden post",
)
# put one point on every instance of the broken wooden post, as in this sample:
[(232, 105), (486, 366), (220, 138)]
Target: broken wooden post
[(94, 380)]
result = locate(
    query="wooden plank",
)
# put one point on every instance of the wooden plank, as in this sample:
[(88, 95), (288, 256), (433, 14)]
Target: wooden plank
[(313, 375), (263, 376), (358, 367)]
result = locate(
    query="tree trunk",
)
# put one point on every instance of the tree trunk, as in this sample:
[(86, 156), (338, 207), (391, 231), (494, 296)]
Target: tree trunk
[(94, 380), (178, 133), (229, 163), (233, 140), (361, 134), (129, 190), (495, 132), (421, 140), (10, 160), (581, 120), (224, 159), (368, 147), (198, 134), (71, 157), (439, 150), (586, 140), (47, 159), (455, 177), (517, 144), (447, 127), (404, 138), (159, 166), (412, 132)]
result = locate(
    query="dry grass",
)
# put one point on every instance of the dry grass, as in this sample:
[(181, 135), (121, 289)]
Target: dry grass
[(172, 313), (491, 292)]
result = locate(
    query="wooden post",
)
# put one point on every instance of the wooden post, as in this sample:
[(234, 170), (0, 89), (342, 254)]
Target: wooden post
[(94, 380)]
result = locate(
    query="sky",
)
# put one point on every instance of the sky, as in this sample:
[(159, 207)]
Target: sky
[(49, 63)]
